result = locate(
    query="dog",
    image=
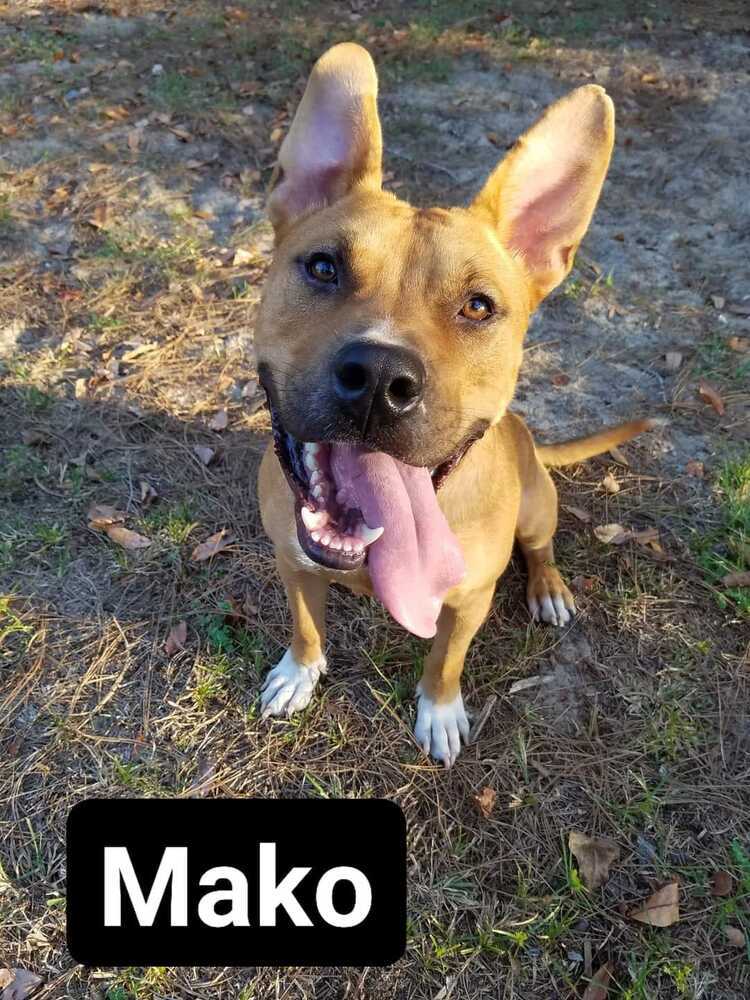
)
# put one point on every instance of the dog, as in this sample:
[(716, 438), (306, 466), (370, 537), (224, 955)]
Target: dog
[(389, 340)]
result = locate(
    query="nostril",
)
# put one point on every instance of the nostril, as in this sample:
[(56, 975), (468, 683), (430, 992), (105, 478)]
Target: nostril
[(352, 376), (403, 389)]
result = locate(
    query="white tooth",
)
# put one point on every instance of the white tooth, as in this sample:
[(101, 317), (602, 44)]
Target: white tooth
[(309, 452), (312, 519), (347, 545), (358, 547), (319, 492), (336, 542), (369, 535), (315, 535), (325, 538)]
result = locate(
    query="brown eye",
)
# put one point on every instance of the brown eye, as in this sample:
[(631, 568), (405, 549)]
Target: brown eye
[(321, 268), (477, 308)]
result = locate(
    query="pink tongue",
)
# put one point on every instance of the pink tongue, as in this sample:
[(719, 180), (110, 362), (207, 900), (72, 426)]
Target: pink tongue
[(417, 559)]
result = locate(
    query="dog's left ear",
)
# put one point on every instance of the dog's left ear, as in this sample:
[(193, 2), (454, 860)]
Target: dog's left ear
[(334, 143), (542, 195)]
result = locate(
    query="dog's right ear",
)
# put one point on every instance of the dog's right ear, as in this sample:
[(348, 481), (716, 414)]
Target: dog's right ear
[(334, 144)]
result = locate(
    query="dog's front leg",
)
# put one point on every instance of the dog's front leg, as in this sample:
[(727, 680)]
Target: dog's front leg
[(290, 684), (441, 719)]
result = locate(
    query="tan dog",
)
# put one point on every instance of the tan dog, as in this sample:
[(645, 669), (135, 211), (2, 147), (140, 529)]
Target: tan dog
[(389, 341)]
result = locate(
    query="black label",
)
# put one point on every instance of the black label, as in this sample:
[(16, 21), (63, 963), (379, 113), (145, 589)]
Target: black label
[(236, 882)]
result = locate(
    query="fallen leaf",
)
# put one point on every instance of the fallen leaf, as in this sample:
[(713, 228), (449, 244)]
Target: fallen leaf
[(101, 515), (710, 395), (242, 257), (737, 579), (181, 133), (578, 512), (148, 493), (485, 801), (117, 113), (646, 536), (203, 214), (98, 218), (176, 639), (733, 935), (560, 379), (205, 454), (722, 884), (212, 546), (661, 909), (739, 344), (81, 388), (583, 584), (618, 456), (594, 856), (718, 301), (598, 987), (128, 539), (134, 139), (673, 361), (219, 421), (611, 534), (695, 469), (610, 484), (20, 984)]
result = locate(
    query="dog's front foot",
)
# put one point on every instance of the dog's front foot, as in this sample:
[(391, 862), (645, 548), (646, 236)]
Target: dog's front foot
[(289, 686), (441, 727), (548, 598)]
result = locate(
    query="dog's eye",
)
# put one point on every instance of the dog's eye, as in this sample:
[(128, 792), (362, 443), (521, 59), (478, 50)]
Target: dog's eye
[(477, 308), (322, 268)]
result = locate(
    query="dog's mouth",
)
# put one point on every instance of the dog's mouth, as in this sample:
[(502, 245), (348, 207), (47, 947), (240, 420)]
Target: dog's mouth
[(354, 505)]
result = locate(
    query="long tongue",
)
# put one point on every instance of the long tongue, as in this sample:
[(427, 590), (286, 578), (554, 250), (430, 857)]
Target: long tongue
[(417, 559)]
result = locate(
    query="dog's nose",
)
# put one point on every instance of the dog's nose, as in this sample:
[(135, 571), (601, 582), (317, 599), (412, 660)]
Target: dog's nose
[(377, 383)]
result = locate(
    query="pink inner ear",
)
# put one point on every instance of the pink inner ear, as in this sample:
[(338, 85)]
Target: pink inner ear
[(545, 218)]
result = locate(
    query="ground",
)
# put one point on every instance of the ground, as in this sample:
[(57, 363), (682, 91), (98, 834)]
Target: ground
[(137, 138)]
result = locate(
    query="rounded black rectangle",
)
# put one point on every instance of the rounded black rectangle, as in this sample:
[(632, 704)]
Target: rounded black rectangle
[(157, 851)]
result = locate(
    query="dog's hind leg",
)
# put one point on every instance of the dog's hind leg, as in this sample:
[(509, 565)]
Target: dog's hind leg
[(441, 718), (290, 684), (546, 594)]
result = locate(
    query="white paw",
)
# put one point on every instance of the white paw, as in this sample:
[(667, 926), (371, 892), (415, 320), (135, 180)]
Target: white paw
[(440, 728), (289, 686), (555, 610)]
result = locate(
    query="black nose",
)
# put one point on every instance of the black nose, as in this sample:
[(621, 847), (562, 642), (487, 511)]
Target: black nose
[(377, 383)]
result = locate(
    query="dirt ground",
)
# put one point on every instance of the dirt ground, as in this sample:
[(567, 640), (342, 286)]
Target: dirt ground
[(137, 138)]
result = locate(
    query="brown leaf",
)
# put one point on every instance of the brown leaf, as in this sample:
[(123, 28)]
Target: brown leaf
[(19, 984), (180, 133), (710, 395), (611, 534), (722, 884), (598, 987), (81, 388), (733, 935), (134, 139), (117, 113), (583, 584), (485, 800), (739, 344), (610, 484), (219, 421), (101, 515), (673, 361), (594, 856), (578, 512), (645, 537), (148, 493), (212, 546), (661, 909), (99, 217), (176, 639), (618, 456), (737, 579), (560, 379), (695, 469), (128, 539), (205, 454)]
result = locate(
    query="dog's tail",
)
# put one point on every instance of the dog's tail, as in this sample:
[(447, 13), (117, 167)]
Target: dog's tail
[(578, 450)]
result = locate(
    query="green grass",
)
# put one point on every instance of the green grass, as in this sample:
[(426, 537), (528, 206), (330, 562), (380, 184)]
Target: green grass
[(727, 548)]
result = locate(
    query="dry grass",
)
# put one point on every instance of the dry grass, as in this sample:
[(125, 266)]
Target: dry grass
[(642, 733)]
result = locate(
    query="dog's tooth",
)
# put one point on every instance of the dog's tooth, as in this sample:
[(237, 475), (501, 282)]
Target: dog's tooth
[(315, 535), (320, 492), (313, 519), (358, 546), (309, 453), (317, 477), (325, 538), (369, 535), (336, 542), (347, 545)]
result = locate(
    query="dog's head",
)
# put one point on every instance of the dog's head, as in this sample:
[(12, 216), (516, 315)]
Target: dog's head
[(399, 330)]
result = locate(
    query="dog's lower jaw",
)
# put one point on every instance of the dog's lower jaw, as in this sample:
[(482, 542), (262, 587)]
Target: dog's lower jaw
[(440, 727), (289, 686)]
